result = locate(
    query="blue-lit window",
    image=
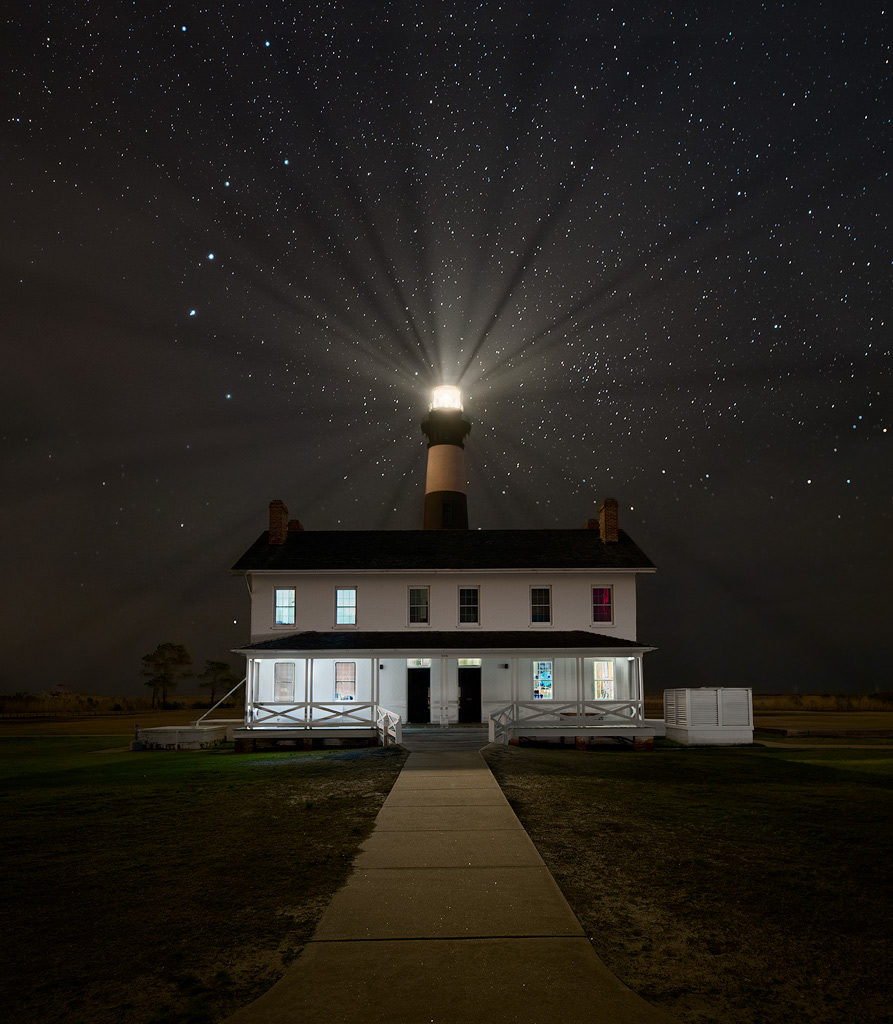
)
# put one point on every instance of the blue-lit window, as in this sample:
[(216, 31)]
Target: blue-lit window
[(542, 680), (285, 607), (346, 607)]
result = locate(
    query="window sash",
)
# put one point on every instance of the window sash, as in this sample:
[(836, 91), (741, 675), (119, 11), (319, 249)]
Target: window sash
[(603, 679), (419, 610), (345, 680), (469, 605), (346, 606), (284, 601), (284, 681), (602, 604), (540, 604), (542, 680)]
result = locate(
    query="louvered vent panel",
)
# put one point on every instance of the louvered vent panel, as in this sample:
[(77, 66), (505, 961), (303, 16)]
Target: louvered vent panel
[(735, 707), (675, 707), (704, 707)]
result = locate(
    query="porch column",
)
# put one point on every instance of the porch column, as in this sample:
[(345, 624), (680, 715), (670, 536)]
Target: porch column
[(375, 682), (513, 679), (444, 715), (249, 692), (308, 689), (578, 672)]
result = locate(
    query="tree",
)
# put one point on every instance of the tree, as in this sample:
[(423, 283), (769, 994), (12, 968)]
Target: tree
[(164, 668), (216, 675)]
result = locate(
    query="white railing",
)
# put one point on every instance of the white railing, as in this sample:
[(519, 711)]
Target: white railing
[(573, 715), (390, 727), (226, 696), (312, 715)]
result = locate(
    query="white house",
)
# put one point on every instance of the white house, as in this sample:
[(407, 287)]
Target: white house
[(358, 632)]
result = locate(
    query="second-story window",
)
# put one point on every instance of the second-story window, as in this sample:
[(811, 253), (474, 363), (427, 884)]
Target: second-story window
[(469, 606), (284, 607), (602, 604), (419, 611), (346, 606), (540, 604)]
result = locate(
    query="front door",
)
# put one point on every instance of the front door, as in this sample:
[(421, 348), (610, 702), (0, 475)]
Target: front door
[(469, 694), (418, 695)]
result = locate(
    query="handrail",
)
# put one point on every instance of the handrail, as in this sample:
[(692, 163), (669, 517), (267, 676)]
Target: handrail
[(241, 682), (588, 715), (390, 726)]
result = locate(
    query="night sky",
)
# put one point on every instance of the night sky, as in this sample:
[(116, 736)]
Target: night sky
[(241, 243)]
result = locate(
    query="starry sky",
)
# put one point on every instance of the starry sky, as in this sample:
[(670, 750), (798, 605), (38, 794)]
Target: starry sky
[(241, 242)]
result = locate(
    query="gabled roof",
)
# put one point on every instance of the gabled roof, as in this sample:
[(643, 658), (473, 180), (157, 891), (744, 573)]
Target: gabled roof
[(416, 640), (315, 550)]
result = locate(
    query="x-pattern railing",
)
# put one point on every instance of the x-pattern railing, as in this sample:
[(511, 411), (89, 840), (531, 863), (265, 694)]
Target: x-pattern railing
[(312, 715), (586, 714)]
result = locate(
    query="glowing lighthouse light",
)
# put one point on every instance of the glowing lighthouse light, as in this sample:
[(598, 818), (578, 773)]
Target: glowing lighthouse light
[(446, 397)]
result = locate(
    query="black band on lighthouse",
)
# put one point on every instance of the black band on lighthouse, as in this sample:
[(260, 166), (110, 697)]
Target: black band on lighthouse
[(446, 510)]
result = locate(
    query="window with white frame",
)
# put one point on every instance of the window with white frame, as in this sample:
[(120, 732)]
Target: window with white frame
[(418, 663), (603, 679), (346, 606), (284, 681), (469, 606), (603, 604), (284, 601), (540, 604), (419, 606), (542, 680), (345, 680)]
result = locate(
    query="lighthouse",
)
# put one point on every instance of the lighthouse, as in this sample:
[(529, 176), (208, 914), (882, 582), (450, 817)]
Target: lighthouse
[(446, 504)]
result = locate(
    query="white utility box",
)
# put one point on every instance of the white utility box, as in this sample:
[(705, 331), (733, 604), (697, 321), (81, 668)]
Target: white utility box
[(709, 716)]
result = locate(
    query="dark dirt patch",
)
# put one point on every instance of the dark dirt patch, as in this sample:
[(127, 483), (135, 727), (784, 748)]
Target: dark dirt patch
[(740, 886)]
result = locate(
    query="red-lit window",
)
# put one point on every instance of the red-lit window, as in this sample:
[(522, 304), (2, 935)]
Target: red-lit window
[(602, 604)]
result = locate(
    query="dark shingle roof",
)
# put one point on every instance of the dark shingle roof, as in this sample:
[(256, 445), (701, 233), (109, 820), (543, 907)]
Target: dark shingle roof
[(429, 640), (441, 549)]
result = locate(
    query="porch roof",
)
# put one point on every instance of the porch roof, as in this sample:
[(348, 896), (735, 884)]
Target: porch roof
[(417, 641)]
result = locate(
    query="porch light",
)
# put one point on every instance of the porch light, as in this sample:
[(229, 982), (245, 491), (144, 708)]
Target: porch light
[(446, 396)]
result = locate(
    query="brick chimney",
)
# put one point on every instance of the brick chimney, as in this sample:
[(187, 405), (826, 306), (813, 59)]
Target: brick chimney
[(278, 522), (607, 518)]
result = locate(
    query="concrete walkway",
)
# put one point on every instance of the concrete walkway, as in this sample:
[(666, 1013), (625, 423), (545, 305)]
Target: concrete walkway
[(450, 916)]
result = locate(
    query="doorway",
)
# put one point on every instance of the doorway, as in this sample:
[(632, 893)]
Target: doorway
[(469, 694), (418, 695)]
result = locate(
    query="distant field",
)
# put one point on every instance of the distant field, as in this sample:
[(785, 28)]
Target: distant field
[(730, 886), (167, 888)]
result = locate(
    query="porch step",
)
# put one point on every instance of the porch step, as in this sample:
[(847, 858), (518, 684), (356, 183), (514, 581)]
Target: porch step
[(456, 737)]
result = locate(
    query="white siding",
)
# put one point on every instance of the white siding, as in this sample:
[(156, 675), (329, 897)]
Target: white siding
[(504, 601)]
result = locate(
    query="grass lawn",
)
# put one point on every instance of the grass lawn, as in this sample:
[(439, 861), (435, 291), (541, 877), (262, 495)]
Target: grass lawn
[(168, 887), (740, 885)]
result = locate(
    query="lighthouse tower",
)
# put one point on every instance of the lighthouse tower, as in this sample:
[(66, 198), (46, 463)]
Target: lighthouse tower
[(446, 505)]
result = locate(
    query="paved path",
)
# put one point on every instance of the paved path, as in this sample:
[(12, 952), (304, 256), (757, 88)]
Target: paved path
[(450, 917)]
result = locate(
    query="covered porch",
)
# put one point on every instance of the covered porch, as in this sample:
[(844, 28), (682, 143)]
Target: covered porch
[(368, 685)]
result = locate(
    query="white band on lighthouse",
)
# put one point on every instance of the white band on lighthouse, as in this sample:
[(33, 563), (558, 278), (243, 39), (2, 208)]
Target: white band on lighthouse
[(446, 469)]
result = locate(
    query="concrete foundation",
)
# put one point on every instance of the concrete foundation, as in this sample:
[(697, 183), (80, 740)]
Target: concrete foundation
[(179, 737)]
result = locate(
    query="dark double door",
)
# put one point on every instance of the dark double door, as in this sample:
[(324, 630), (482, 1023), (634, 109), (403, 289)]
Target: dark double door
[(418, 695)]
